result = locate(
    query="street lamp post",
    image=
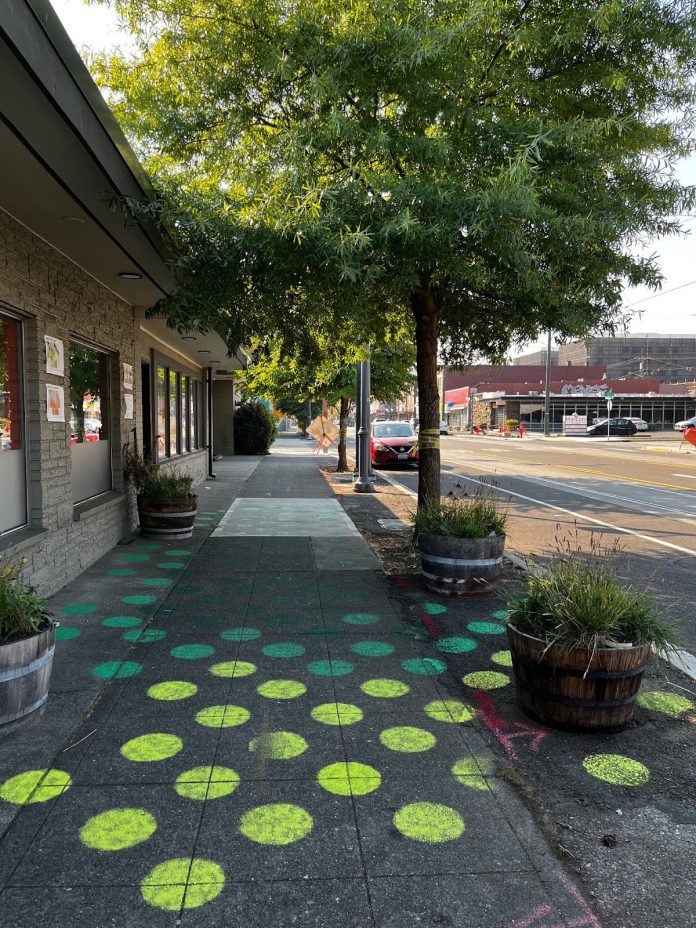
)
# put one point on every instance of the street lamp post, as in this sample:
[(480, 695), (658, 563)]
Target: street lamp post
[(358, 410), (547, 389), (363, 484)]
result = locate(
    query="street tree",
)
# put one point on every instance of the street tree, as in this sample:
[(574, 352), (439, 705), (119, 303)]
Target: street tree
[(490, 166)]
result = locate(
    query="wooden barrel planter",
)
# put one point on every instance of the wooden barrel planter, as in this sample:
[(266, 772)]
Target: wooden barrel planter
[(169, 521), (461, 566), (25, 672), (574, 688)]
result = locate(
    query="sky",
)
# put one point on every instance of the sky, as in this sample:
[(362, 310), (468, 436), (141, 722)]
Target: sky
[(670, 311)]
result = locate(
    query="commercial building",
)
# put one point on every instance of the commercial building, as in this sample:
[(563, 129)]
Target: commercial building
[(669, 358)]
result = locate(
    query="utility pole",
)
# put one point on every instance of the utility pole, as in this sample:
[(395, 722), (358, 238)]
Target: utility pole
[(358, 410), (547, 391), (363, 484)]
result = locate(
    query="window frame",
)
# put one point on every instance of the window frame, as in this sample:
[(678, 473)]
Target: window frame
[(189, 384), (21, 322), (113, 432)]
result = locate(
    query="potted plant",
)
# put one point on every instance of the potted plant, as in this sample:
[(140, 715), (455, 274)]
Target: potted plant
[(580, 641), (166, 506), (460, 542), (27, 635)]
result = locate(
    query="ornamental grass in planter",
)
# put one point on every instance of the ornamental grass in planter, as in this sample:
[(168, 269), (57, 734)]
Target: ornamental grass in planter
[(461, 541), (166, 505), (27, 635), (580, 641)]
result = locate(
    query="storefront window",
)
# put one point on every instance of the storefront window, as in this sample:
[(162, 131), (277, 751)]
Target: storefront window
[(13, 510), (89, 421), (173, 413), (178, 420), (185, 436), (161, 406)]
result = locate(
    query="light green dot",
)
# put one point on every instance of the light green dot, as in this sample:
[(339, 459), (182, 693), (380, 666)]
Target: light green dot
[(171, 690), (122, 621), (486, 680), (223, 716), (64, 633), (361, 618), (276, 824), (78, 609), (233, 669), (156, 581), (240, 634), (337, 713), (35, 786), (134, 558), (424, 666), (616, 769), (192, 652), (121, 572), (147, 748), (407, 739), (278, 745), (456, 645), (429, 822), (384, 689), (283, 649), (138, 600), (147, 636), (171, 565), (502, 658), (330, 668), (434, 608), (372, 648), (472, 772), (182, 883), (449, 710), (486, 628), (667, 703), (117, 670), (206, 783), (118, 829), (281, 689), (349, 778)]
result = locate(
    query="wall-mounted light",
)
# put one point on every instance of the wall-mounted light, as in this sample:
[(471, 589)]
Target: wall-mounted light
[(130, 275)]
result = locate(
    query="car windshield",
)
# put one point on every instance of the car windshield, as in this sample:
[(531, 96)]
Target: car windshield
[(393, 430)]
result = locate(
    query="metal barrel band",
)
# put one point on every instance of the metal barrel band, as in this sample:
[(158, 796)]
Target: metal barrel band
[(579, 703), (462, 561), (455, 581), (550, 670), (16, 672)]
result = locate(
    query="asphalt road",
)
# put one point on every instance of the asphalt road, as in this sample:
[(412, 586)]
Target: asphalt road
[(562, 490)]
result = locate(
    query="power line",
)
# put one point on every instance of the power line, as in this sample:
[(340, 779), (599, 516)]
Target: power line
[(655, 296)]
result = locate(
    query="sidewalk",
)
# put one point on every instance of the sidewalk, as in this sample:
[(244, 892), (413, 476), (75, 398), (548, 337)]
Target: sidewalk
[(277, 742)]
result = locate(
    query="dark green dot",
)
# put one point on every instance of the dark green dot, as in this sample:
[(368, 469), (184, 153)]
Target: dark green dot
[(138, 600), (136, 557), (156, 581), (361, 618), (434, 608), (372, 648), (177, 552), (145, 636), (486, 628), (151, 547), (121, 572), (78, 609), (240, 634), (63, 633), (456, 645), (425, 666), (117, 670), (191, 652), (171, 565), (330, 668), (283, 650), (122, 621), (500, 614)]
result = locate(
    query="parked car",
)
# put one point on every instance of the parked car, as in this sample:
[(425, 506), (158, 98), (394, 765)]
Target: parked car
[(393, 443), (615, 427), (685, 424), (640, 424)]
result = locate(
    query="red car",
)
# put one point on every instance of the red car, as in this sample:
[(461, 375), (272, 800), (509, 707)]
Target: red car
[(393, 443)]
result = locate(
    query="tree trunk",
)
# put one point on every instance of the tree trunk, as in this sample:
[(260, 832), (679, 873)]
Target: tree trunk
[(424, 308), (343, 424)]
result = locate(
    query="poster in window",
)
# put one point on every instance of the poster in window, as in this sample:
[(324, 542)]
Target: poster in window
[(128, 399), (55, 403), (128, 378), (55, 358)]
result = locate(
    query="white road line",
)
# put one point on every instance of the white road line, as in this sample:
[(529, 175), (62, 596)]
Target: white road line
[(690, 476)]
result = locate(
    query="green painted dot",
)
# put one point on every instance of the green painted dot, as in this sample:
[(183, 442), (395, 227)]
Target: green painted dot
[(502, 658), (337, 713), (407, 739), (372, 648), (281, 689), (384, 689), (171, 690), (276, 824), (182, 883), (120, 572), (472, 772), (456, 644), (64, 633), (171, 565), (616, 769), (138, 600), (349, 778), (283, 649), (147, 636), (449, 710), (151, 547), (178, 552), (500, 614), (435, 608), (424, 666), (206, 783), (330, 668), (35, 786), (192, 652), (486, 628), (486, 680), (147, 748), (78, 609), (223, 716), (117, 670), (278, 745), (134, 558), (429, 822), (361, 618), (667, 703), (240, 634), (233, 669), (118, 829), (122, 621), (156, 581)]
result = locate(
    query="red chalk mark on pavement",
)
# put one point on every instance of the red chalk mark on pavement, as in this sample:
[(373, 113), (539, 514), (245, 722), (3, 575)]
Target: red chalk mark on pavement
[(538, 915), (429, 623), (402, 582), (504, 731), (527, 920)]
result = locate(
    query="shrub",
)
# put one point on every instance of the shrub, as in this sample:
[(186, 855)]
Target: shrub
[(511, 424), (22, 612), (476, 516), (151, 482), (255, 428)]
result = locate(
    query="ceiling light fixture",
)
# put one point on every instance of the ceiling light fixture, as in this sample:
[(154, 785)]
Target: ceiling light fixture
[(130, 275), (188, 338), (76, 219), (204, 351)]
